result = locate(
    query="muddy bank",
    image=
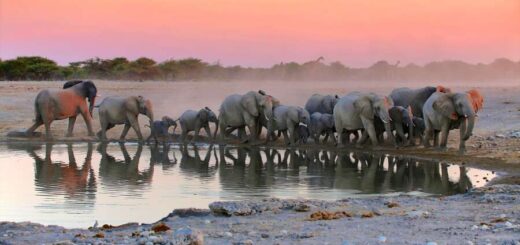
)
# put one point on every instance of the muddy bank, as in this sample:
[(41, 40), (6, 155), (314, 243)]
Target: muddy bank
[(488, 215)]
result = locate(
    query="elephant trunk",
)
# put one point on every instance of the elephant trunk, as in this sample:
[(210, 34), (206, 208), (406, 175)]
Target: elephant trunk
[(469, 129), (216, 129), (391, 137), (92, 102)]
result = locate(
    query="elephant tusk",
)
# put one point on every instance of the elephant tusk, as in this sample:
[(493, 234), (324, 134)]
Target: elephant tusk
[(466, 116), (384, 121), (303, 124)]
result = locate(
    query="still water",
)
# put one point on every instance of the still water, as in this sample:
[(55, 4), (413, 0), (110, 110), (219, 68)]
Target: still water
[(74, 185)]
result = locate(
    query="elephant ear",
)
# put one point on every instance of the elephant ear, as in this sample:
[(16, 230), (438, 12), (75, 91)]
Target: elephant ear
[(203, 115), (396, 113), (476, 99), (249, 103), (444, 105), (364, 106), (442, 89)]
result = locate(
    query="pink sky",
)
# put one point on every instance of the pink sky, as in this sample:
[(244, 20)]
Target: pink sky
[(262, 32)]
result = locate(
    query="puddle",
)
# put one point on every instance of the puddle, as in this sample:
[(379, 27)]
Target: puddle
[(74, 185)]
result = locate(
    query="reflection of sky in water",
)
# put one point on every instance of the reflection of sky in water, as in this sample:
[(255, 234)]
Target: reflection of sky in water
[(124, 184)]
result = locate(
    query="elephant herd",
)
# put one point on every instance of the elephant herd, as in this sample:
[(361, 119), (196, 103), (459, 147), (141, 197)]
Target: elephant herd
[(355, 118)]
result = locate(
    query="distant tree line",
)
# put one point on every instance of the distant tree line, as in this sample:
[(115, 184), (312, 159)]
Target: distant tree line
[(192, 69)]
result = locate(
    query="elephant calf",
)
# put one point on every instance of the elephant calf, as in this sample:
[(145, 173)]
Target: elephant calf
[(322, 124), (120, 110), (159, 129), (192, 120), (287, 118)]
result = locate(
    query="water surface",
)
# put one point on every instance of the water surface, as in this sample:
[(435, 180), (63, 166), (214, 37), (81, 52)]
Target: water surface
[(74, 185)]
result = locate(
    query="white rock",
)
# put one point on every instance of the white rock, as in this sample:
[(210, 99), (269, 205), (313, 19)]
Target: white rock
[(284, 232), (228, 234), (431, 243)]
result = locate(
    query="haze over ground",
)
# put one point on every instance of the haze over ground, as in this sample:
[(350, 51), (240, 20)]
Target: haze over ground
[(261, 33)]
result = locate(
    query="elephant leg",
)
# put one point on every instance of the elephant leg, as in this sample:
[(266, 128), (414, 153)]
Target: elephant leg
[(286, 137), (241, 133), (399, 131), (135, 125), (316, 138), (184, 134), (88, 119), (428, 132), (292, 134), (362, 140), (208, 131), (222, 128), (436, 138), (370, 129), (444, 140), (72, 121), (37, 124), (326, 138), (125, 131), (196, 136)]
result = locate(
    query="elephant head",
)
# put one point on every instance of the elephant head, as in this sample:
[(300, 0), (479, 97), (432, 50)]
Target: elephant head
[(460, 106), (371, 105), (168, 121), (145, 108), (86, 88), (258, 102), (211, 117), (303, 116)]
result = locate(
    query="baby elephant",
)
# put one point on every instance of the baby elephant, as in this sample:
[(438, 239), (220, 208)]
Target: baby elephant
[(159, 129), (322, 124), (192, 120)]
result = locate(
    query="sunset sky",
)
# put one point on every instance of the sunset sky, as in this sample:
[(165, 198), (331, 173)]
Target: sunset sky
[(262, 32)]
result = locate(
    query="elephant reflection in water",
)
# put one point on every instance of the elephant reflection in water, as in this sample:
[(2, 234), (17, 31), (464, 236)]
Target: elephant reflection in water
[(69, 178), (114, 171), (195, 164), (161, 156)]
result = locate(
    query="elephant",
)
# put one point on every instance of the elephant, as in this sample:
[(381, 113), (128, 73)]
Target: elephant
[(415, 98), (192, 120), (238, 111), (445, 111), (357, 111), (287, 118), (124, 110), (67, 103), (321, 103), (159, 129), (303, 134), (401, 119), (322, 124)]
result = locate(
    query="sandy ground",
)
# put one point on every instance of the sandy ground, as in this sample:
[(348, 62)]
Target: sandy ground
[(489, 215), (500, 116)]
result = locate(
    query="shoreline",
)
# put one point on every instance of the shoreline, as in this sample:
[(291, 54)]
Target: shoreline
[(484, 215)]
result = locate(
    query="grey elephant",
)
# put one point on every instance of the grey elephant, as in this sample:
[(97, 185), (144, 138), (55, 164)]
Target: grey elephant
[(51, 105), (357, 111), (322, 124), (446, 111), (321, 103), (414, 98), (123, 110), (240, 111), (159, 129), (192, 120), (401, 122), (286, 119)]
